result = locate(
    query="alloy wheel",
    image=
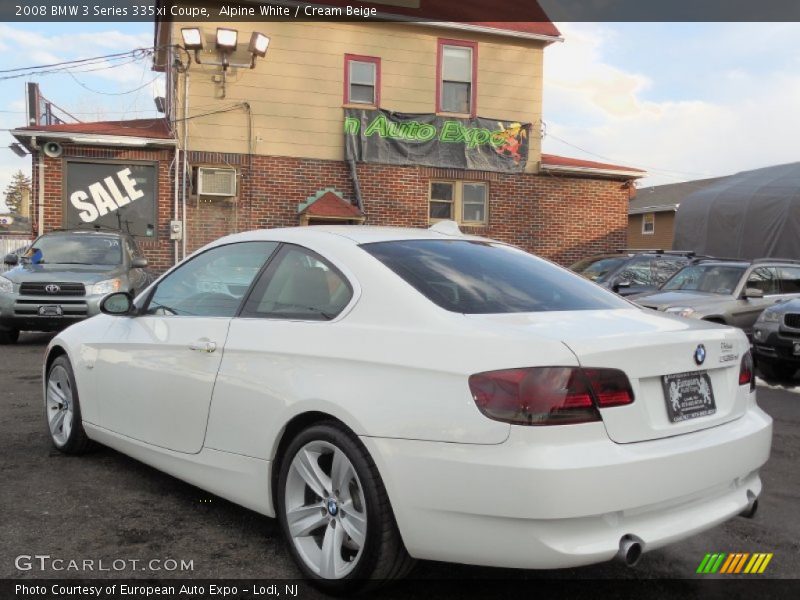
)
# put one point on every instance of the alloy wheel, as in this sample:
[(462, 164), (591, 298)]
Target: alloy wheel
[(325, 510), (60, 406)]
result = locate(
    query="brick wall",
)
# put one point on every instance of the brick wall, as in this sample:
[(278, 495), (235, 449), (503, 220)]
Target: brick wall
[(560, 218)]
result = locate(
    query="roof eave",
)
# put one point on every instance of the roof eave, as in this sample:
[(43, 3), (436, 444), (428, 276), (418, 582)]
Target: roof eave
[(594, 172), (653, 209), (90, 139)]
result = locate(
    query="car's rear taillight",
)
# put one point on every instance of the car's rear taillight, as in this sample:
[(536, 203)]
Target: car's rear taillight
[(549, 395), (610, 386), (746, 373)]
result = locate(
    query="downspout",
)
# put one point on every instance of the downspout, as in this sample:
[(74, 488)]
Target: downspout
[(185, 155), (40, 181), (356, 184), (176, 243)]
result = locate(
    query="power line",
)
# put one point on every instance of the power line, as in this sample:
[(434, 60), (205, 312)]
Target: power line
[(86, 87), (645, 167), (80, 60)]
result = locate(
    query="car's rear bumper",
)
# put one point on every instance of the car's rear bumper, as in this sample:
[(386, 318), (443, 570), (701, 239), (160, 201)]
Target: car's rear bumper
[(563, 496)]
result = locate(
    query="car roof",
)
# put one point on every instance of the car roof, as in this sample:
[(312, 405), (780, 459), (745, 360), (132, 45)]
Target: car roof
[(358, 234), (98, 232)]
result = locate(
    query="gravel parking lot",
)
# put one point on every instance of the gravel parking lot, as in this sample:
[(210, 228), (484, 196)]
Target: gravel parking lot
[(107, 506)]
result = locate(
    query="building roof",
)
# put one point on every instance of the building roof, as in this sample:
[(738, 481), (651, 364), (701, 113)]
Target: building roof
[(577, 166), (331, 205), (148, 128), (521, 19), (666, 198)]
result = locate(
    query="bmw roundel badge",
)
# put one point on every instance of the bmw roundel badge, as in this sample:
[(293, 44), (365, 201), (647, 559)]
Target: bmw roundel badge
[(700, 354)]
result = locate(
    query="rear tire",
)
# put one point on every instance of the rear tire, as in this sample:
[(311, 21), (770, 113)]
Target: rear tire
[(63, 409), (9, 336), (343, 534)]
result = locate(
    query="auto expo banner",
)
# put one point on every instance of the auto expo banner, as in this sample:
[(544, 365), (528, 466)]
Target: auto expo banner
[(381, 136), (118, 195)]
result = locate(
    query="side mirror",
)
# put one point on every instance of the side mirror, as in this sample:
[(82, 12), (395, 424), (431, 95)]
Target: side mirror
[(117, 303), (620, 283), (11, 260), (139, 263), (753, 293)]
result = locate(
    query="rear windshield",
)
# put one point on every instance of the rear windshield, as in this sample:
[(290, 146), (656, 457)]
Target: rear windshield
[(477, 277)]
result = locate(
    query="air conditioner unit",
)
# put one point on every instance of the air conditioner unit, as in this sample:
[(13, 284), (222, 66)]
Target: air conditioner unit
[(216, 182)]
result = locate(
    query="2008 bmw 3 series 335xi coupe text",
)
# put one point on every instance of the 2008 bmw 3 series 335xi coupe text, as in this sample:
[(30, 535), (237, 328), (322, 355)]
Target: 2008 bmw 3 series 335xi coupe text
[(400, 394)]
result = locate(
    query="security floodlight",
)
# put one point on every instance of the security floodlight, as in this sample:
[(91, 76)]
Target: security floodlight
[(258, 44), (192, 38), (226, 39)]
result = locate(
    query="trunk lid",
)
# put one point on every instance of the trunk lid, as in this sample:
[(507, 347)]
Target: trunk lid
[(646, 346)]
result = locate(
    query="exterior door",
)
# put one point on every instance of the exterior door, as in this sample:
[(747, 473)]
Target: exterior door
[(156, 372)]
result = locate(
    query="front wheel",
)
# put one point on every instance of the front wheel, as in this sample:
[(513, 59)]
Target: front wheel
[(335, 512), (63, 409)]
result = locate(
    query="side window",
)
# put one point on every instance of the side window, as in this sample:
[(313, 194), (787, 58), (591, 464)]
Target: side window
[(665, 267), (764, 279), (211, 284), (790, 279), (638, 271), (299, 284)]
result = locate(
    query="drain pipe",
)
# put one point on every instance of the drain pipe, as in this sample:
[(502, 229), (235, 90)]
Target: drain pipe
[(185, 157), (176, 243), (356, 185), (40, 218)]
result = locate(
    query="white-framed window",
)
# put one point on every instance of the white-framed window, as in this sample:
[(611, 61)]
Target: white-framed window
[(466, 202), (648, 223)]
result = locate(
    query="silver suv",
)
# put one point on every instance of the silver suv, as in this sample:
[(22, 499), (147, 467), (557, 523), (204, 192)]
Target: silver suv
[(732, 292), (63, 275)]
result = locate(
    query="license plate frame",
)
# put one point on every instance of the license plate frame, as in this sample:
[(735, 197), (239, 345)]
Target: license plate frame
[(688, 395), (51, 310)]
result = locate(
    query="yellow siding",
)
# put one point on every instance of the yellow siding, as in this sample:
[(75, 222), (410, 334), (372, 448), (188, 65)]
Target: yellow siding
[(295, 93)]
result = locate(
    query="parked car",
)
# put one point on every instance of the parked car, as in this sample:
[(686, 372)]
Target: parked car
[(776, 340), (732, 292), (396, 394), (63, 275), (628, 273)]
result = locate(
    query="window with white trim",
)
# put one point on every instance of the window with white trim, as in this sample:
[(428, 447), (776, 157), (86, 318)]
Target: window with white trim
[(648, 223), (462, 201)]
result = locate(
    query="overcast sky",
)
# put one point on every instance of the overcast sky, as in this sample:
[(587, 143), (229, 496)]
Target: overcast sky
[(683, 101)]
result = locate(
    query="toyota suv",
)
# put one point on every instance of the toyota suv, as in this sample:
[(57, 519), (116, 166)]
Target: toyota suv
[(63, 275), (729, 291)]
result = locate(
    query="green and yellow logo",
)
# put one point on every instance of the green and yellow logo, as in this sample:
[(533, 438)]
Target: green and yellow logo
[(736, 562)]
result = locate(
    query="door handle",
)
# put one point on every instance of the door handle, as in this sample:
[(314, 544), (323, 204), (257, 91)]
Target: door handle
[(203, 346)]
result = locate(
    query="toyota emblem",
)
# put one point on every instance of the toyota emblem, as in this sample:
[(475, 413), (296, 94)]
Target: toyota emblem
[(700, 354), (52, 288)]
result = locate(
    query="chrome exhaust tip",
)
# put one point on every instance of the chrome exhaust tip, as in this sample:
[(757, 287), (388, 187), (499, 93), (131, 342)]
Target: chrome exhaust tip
[(752, 506), (630, 549)]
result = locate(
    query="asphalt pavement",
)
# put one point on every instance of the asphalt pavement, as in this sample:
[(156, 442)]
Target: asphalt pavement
[(107, 507)]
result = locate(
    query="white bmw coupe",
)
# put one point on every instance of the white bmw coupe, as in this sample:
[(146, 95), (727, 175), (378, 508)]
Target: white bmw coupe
[(399, 394)]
